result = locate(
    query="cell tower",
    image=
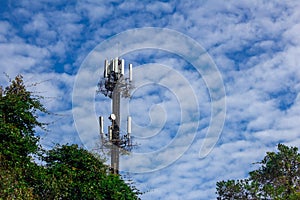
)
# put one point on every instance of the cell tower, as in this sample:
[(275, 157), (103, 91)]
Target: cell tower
[(114, 85)]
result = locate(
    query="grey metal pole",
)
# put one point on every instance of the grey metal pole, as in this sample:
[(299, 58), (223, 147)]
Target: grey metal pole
[(115, 154)]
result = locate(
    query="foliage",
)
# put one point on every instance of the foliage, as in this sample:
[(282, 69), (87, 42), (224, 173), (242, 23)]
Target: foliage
[(12, 182), (77, 174), (278, 177), (69, 172), (18, 118)]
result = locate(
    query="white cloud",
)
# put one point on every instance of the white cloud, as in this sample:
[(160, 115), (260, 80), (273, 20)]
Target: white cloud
[(160, 7)]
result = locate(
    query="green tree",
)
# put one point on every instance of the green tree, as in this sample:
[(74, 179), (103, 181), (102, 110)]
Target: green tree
[(278, 177), (18, 119), (19, 110), (75, 173), (69, 172)]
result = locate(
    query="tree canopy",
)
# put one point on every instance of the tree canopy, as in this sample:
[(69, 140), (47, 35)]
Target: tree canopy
[(278, 177), (18, 119), (68, 171), (76, 173)]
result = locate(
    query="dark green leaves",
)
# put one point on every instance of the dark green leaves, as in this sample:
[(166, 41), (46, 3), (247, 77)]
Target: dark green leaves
[(278, 177), (74, 173), (18, 111)]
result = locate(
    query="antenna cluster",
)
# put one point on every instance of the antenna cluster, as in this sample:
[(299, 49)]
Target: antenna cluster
[(113, 75), (114, 85)]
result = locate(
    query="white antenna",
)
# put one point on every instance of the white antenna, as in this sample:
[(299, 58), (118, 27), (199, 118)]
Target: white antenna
[(110, 132), (130, 72), (128, 126), (116, 65), (122, 66), (101, 125), (105, 68)]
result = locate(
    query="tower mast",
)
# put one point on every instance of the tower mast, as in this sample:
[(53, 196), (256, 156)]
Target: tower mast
[(114, 85)]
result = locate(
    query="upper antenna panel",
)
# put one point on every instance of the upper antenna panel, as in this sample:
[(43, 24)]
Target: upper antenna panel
[(113, 78)]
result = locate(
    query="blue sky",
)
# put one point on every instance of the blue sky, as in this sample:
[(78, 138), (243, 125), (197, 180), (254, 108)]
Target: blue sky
[(254, 45)]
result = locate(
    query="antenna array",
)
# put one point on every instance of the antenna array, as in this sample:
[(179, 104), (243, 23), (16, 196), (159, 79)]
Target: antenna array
[(114, 85)]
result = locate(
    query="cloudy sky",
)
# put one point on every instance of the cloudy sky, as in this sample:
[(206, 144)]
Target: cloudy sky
[(200, 59)]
